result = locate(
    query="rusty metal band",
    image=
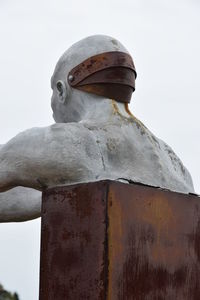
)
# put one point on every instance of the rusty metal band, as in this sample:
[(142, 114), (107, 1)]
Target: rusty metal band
[(109, 74)]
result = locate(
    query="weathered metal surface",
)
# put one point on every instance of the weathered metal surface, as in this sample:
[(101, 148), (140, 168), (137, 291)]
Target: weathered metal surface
[(101, 62), (109, 74), (154, 244), (73, 245), (109, 240)]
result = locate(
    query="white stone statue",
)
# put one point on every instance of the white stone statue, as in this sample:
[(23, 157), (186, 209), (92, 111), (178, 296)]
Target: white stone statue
[(94, 138)]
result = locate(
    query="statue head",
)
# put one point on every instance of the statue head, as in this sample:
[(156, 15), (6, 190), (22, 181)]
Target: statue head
[(90, 61)]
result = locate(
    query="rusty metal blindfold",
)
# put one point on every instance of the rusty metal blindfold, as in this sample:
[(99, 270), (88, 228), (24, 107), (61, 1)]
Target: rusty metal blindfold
[(110, 74)]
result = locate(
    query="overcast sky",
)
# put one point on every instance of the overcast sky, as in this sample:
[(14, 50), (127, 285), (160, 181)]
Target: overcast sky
[(163, 38)]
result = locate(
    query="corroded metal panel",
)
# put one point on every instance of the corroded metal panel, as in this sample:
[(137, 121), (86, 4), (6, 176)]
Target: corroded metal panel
[(154, 244), (115, 241), (73, 243), (109, 74)]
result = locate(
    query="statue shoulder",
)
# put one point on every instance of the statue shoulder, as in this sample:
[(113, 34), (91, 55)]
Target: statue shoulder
[(75, 133), (60, 133), (177, 167), (58, 154)]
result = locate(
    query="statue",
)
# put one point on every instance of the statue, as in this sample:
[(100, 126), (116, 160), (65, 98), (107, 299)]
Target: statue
[(95, 136)]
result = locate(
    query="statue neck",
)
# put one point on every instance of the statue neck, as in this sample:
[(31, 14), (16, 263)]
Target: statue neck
[(103, 110), (85, 107)]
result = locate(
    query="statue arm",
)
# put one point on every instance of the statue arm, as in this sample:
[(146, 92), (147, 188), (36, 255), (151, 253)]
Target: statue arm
[(20, 204), (15, 159), (45, 157)]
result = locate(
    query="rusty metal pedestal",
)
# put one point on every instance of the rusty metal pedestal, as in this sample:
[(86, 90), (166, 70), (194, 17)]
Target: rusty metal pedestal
[(109, 240)]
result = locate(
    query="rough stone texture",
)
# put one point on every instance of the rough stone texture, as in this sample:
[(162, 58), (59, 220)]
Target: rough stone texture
[(94, 139)]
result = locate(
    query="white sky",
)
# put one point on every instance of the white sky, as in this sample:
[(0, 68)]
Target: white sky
[(163, 38)]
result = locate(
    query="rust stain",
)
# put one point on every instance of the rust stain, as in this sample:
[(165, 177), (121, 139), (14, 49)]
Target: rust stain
[(194, 240), (115, 108), (160, 215), (110, 74), (73, 248), (156, 259), (115, 233), (114, 241), (127, 110)]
